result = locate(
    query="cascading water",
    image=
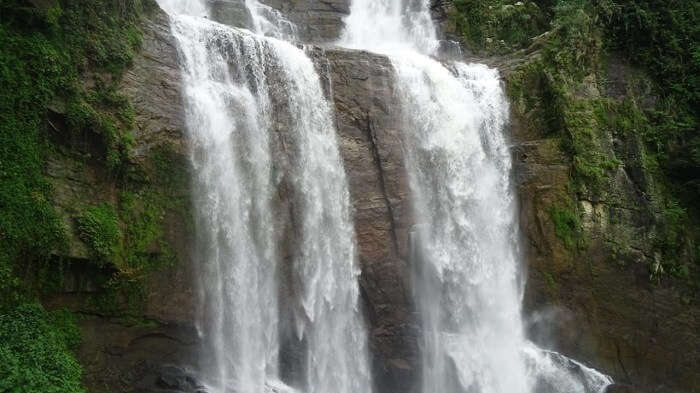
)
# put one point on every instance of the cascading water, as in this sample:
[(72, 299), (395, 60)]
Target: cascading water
[(467, 285), (465, 242), (231, 125)]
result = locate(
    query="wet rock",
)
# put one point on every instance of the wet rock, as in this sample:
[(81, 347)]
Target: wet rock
[(450, 50), (318, 21), (612, 312), (133, 356), (153, 86), (621, 388), (440, 11), (362, 86), (178, 379), (231, 12), (118, 352)]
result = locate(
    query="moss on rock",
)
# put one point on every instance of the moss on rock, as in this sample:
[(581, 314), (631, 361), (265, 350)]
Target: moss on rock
[(60, 66)]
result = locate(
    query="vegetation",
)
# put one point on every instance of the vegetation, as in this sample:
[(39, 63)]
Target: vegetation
[(48, 50), (44, 52), (566, 225), (35, 351), (99, 229), (498, 26), (568, 93)]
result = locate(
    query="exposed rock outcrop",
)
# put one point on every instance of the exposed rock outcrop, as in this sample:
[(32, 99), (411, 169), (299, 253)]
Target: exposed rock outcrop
[(366, 109), (595, 301), (121, 353), (231, 12), (316, 21)]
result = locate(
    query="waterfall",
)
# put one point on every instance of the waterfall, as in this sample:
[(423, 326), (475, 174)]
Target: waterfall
[(467, 282), (259, 126), (270, 22), (385, 26)]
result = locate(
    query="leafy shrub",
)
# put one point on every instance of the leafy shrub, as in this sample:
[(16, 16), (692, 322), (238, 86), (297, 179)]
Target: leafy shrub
[(99, 229), (498, 26), (31, 70), (35, 351)]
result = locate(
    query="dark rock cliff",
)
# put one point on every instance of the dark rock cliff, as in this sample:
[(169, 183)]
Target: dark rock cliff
[(370, 142), (121, 353), (596, 302)]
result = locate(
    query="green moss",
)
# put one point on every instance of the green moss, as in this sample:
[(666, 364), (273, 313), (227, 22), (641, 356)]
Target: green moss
[(498, 26), (106, 113), (625, 120), (567, 225), (557, 95), (550, 281), (139, 322), (99, 229), (35, 351), (45, 53), (593, 160), (130, 240), (532, 89), (146, 200), (42, 54), (31, 70)]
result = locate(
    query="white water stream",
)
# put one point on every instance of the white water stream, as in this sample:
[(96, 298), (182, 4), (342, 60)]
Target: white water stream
[(232, 78), (467, 282), (238, 84)]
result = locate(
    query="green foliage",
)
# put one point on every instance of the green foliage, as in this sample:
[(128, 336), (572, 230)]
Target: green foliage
[(593, 161), (143, 205), (532, 90), (498, 26), (560, 93), (31, 70), (42, 53), (133, 252), (99, 229), (664, 39), (674, 219), (549, 279), (45, 52), (143, 213), (567, 225), (35, 351), (576, 39)]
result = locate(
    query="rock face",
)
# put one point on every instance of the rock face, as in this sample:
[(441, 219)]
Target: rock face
[(153, 87), (118, 353), (595, 302), (317, 21), (365, 103), (230, 12), (582, 303)]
